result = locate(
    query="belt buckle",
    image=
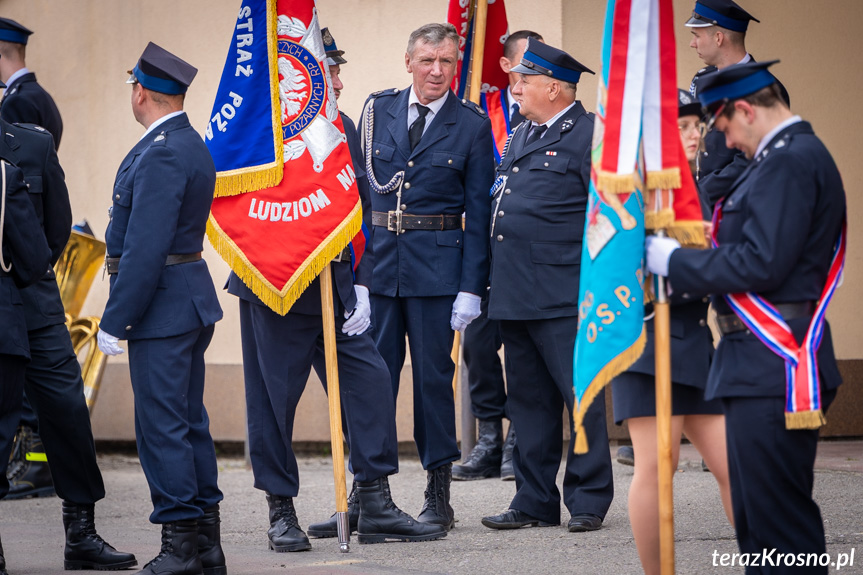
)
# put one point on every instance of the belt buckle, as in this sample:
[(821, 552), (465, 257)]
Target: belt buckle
[(394, 221)]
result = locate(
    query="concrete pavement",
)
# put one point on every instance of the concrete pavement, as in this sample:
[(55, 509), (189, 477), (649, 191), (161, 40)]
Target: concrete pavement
[(32, 532)]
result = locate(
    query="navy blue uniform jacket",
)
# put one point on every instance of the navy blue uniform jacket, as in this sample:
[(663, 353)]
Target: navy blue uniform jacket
[(450, 172), (25, 248), (31, 149), (26, 102), (776, 238), (162, 197), (539, 222), (343, 278)]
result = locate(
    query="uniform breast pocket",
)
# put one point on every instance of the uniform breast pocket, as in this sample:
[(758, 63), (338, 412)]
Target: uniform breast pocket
[(547, 177), (556, 269), (382, 152), (34, 188), (448, 173), (733, 216), (122, 208)]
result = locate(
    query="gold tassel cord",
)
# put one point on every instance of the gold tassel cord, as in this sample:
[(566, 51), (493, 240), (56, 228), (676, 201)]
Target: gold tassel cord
[(238, 182), (668, 179), (611, 370), (611, 183), (281, 300), (805, 420)]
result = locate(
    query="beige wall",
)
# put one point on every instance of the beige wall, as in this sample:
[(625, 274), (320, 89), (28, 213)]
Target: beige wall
[(81, 51)]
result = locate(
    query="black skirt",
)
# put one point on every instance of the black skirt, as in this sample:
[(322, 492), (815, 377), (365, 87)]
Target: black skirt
[(634, 395)]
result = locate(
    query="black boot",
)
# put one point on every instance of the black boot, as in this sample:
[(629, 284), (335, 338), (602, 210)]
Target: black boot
[(28, 472), (381, 521), (507, 473), (210, 544), (436, 508), (179, 553), (328, 528), (84, 548), (484, 459), (2, 561), (284, 532)]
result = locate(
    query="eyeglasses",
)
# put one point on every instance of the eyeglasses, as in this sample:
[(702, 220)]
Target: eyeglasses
[(690, 126)]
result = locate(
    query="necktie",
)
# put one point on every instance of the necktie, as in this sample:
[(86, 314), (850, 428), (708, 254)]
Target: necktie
[(516, 117), (415, 132), (535, 133)]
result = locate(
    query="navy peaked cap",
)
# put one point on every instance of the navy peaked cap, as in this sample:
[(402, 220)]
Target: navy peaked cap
[(724, 13), (687, 104), (540, 58), (334, 55), (733, 82), (160, 71), (12, 31)]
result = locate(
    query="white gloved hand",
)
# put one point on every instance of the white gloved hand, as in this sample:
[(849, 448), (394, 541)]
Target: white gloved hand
[(658, 254), (108, 343), (465, 309), (359, 320)]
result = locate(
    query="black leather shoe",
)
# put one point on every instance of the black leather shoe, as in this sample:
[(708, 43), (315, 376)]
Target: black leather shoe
[(436, 508), (514, 519), (381, 521), (625, 455), (329, 528), (210, 542), (507, 473), (284, 532), (584, 522), (179, 553), (84, 548), (28, 472), (485, 457)]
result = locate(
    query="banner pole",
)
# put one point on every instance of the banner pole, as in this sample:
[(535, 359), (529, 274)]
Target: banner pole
[(334, 400), (662, 332)]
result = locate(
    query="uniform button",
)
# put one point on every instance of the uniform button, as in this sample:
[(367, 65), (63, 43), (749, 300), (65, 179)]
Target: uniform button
[(686, 296), (507, 192), (702, 322), (515, 170), (546, 164), (411, 164), (128, 328), (404, 207), (705, 299), (500, 214), (117, 197), (449, 161), (27, 184), (377, 152), (407, 185), (500, 238)]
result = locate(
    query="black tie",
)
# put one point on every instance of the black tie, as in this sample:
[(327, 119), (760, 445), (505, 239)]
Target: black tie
[(516, 117), (535, 133), (416, 130)]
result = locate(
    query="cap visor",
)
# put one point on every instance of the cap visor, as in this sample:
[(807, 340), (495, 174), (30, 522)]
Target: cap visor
[(697, 23), (521, 69)]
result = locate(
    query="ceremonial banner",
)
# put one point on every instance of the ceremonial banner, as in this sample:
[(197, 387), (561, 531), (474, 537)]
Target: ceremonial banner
[(286, 196), (461, 15), (636, 141)]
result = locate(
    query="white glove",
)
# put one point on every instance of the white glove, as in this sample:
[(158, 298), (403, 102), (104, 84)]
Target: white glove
[(359, 320), (659, 252), (465, 309), (108, 343)]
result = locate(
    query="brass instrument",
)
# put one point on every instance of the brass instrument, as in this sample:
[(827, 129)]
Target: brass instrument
[(75, 270)]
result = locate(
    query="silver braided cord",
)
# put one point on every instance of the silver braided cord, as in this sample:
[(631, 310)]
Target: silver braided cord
[(3, 265), (368, 121)]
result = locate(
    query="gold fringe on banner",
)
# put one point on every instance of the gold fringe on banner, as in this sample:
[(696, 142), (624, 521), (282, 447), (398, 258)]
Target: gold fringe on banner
[(254, 178), (281, 300), (611, 370), (805, 420), (615, 183), (658, 220), (689, 233), (667, 179)]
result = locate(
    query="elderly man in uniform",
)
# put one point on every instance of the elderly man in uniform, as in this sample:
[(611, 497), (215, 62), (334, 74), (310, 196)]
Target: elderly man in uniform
[(539, 202), (26, 102), (776, 233), (163, 301), (278, 353), (24, 256), (431, 161), (492, 456)]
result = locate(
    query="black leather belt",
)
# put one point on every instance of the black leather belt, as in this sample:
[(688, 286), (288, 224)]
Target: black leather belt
[(344, 255), (398, 221), (112, 265), (731, 323)]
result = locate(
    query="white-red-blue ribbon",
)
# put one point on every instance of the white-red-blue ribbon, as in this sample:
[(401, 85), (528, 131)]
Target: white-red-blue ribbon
[(803, 409)]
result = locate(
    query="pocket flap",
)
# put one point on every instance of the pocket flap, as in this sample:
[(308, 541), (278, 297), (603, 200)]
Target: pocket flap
[(549, 163), (382, 151), (448, 160)]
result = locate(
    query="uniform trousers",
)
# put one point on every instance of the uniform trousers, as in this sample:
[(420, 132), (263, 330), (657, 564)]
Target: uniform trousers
[(539, 371), (426, 322), (485, 372), (56, 391), (771, 472), (171, 424), (278, 354), (11, 389)]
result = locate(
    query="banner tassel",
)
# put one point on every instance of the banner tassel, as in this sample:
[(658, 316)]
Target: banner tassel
[(805, 419)]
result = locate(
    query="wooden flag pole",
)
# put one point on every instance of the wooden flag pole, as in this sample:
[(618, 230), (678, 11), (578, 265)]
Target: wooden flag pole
[(334, 399), (662, 333)]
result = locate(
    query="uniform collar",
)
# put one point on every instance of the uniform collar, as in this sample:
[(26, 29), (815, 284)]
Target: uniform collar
[(161, 121), (774, 132), (434, 107), (554, 118), (17, 74)]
